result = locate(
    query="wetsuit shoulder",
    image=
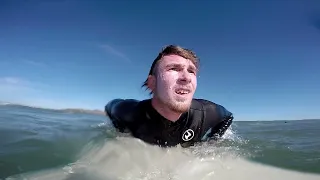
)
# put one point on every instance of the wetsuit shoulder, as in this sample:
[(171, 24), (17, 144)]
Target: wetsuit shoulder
[(121, 113), (217, 119)]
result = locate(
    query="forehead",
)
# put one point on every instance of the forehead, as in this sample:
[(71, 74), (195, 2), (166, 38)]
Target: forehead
[(176, 60)]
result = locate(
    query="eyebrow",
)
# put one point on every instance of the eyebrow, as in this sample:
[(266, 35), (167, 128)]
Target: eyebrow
[(173, 65), (179, 65)]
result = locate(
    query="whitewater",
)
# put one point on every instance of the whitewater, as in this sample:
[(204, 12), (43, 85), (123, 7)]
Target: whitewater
[(105, 154)]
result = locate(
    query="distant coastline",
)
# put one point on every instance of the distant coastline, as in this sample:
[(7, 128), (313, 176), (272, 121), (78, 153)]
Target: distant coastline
[(102, 113), (68, 110), (88, 111)]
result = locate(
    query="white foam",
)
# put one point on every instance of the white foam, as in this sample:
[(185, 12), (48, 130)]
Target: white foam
[(126, 158)]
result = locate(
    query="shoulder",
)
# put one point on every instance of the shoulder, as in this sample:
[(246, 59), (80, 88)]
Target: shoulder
[(213, 110), (123, 112), (202, 102), (217, 119), (119, 106)]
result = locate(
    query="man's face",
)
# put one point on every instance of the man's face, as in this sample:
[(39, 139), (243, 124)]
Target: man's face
[(175, 82)]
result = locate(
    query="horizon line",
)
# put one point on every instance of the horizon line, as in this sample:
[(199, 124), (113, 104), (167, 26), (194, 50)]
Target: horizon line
[(99, 111)]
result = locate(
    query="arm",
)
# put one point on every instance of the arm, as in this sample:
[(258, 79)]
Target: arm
[(225, 119), (218, 120), (120, 112)]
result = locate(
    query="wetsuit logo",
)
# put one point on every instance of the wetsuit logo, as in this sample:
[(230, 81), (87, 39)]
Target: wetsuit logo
[(188, 135)]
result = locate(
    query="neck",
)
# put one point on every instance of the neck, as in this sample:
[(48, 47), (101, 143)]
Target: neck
[(164, 110)]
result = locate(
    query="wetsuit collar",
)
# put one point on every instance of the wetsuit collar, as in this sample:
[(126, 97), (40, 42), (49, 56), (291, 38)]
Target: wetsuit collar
[(154, 114)]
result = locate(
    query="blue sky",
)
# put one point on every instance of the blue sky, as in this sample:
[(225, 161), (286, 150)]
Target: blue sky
[(259, 59)]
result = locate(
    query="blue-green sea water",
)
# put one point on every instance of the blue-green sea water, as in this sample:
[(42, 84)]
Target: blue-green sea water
[(55, 144)]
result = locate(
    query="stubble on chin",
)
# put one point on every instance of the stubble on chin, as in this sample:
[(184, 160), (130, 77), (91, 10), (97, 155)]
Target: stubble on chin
[(173, 103), (179, 106)]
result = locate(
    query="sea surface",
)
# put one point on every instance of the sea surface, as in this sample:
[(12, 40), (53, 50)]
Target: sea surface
[(52, 144)]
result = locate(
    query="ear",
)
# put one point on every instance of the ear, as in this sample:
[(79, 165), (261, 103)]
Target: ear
[(151, 82)]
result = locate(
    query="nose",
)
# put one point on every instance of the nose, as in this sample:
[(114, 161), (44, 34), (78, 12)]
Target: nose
[(185, 77)]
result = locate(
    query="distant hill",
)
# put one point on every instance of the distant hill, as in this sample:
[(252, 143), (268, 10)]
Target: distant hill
[(74, 110), (69, 110)]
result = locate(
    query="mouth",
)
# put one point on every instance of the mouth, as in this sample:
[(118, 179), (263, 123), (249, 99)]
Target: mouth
[(182, 91)]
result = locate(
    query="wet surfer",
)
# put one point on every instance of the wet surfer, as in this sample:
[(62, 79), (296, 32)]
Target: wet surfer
[(172, 116)]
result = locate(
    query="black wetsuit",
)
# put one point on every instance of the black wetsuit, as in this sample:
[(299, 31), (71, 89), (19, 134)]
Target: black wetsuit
[(205, 120)]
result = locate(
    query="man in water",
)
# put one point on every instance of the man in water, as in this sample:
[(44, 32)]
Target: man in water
[(172, 116)]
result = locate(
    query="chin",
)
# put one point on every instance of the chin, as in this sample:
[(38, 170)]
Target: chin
[(176, 104), (180, 106)]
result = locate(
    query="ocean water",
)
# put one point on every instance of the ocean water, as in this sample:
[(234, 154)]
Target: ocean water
[(57, 145)]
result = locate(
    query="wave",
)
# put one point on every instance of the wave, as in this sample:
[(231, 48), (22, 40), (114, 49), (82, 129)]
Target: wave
[(127, 158)]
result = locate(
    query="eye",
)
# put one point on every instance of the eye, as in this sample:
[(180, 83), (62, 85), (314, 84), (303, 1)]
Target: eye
[(192, 71), (174, 69)]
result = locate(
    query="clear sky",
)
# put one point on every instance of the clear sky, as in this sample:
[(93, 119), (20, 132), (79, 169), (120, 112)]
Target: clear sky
[(259, 59)]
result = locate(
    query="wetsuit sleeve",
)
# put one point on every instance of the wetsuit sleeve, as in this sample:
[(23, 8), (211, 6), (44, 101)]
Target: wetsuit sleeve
[(120, 112), (218, 120)]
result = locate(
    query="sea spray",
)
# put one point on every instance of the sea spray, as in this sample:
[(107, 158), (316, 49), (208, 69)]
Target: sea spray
[(124, 157), (127, 158), (109, 155)]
